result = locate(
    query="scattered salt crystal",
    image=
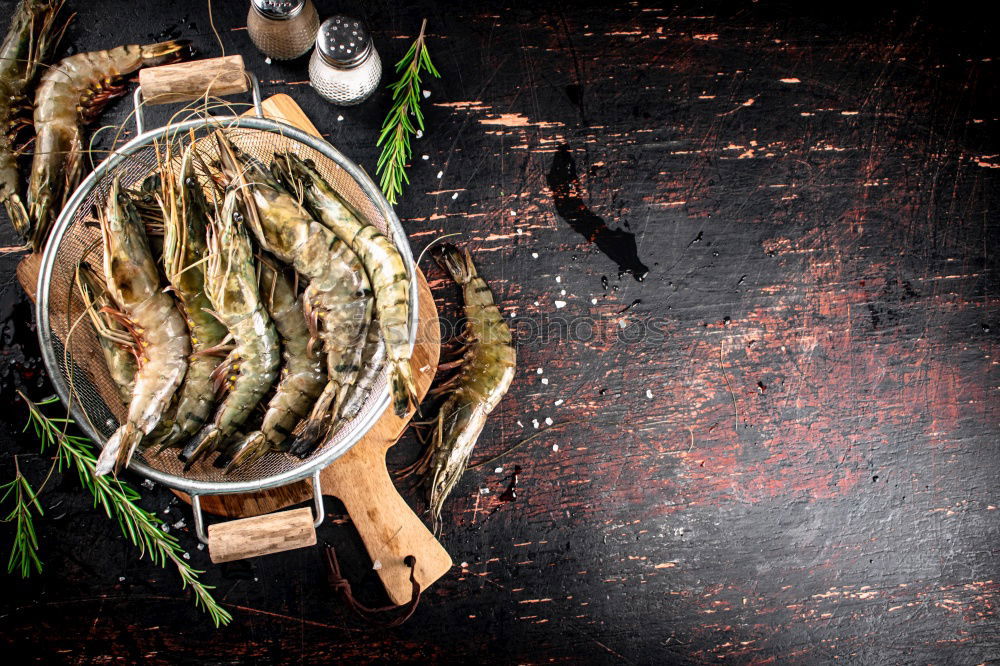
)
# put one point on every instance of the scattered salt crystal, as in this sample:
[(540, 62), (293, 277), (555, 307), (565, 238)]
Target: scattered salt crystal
[(555, 447), (484, 491), (427, 93), (536, 303), (376, 565), (179, 524), (534, 422), (267, 60), (593, 301), (548, 420), (340, 119), (419, 133), (520, 425), (256, 580), (465, 565), (513, 213), (562, 292), (519, 232), (201, 546), (539, 371), (148, 483), (534, 255), (649, 394), (559, 278), (186, 556), (559, 402), (621, 324), (545, 381), (440, 174), (165, 528), (121, 579), (498, 470), (425, 157), (455, 195), (560, 304)]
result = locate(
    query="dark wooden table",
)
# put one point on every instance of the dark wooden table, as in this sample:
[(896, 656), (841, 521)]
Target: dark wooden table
[(781, 446)]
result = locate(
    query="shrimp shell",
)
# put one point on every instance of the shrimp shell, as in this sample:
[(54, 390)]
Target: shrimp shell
[(303, 374), (231, 285), (161, 336), (70, 95), (381, 259), (486, 371)]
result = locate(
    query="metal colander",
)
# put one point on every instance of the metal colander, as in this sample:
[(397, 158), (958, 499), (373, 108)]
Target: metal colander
[(69, 343)]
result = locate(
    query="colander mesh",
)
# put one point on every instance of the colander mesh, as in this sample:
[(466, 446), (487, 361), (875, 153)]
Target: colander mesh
[(74, 342)]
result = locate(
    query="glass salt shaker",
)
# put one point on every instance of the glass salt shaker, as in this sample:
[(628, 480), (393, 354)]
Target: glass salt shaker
[(345, 67), (282, 29)]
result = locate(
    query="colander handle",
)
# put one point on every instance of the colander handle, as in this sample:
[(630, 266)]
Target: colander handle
[(260, 535), (187, 81)]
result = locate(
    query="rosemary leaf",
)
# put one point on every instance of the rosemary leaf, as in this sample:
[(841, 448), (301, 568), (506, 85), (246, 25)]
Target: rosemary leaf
[(119, 501), (398, 126)]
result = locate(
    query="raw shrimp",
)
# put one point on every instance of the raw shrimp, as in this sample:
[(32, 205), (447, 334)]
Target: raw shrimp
[(70, 95), (185, 213), (158, 328), (337, 301), (252, 366), (303, 374), (30, 40), (486, 370), (382, 261), (116, 342)]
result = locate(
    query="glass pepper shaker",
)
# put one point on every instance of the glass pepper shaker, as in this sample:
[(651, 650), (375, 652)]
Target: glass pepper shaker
[(282, 29), (345, 67)]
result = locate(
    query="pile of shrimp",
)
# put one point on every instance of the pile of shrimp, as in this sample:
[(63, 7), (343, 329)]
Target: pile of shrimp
[(242, 308)]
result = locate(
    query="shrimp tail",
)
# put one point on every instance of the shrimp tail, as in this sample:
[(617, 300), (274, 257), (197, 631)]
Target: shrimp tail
[(458, 265), (249, 449), (163, 53), (204, 443), (404, 389), (117, 453)]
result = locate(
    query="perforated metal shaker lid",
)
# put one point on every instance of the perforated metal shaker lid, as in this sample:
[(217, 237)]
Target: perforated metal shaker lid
[(343, 42), (278, 10)]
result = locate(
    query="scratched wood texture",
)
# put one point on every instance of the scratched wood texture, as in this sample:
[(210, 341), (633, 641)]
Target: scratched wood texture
[(785, 450)]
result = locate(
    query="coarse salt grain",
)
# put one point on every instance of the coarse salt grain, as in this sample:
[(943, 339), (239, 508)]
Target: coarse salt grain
[(534, 422), (548, 420), (340, 119), (558, 402), (498, 470), (186, 556), (539, 371), (545, 381), (121, 579), (560, 304), (562, 292), (484, 491), (440, 174), (534, 255), (559, 278), (427, 93), (520, 425), (555, 447), (419, 133), (455, 195), (267, 61), (519, 232), (376, 565), (425, 157), (649, 394), (593, 301)]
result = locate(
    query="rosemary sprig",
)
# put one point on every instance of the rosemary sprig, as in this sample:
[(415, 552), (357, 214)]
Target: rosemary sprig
[(118, 499), (404, 119), (24, 550)]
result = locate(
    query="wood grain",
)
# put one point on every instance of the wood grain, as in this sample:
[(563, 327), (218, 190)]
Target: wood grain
[(261, 535), (186, 81)]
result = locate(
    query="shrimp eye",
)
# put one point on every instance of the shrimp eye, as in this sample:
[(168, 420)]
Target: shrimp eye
[(190, 181), (237, 217)]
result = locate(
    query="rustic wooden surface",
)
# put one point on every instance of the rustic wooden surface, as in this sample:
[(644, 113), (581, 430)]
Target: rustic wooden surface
[(780, 446)]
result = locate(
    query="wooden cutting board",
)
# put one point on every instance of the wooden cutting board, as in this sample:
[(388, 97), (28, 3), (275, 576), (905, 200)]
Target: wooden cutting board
[(391, 531)]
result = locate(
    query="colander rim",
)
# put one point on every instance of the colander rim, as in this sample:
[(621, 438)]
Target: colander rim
[(193, 486)]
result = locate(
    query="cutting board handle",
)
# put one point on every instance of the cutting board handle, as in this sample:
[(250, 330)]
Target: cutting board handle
[(387, 525), (186, 81)]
